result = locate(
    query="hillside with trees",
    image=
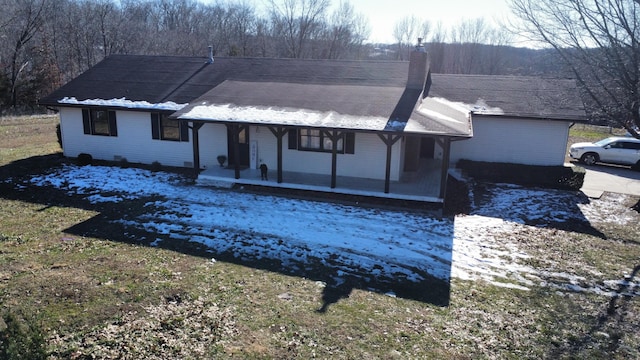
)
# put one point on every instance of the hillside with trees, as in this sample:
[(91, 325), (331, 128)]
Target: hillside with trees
[(45, 43)]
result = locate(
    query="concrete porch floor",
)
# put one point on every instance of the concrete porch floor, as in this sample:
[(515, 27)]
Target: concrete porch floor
[(423, 185)]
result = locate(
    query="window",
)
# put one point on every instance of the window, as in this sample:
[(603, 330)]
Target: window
[(631, 145), (163, 128), (312, 139), (99, 122), (318, 140)]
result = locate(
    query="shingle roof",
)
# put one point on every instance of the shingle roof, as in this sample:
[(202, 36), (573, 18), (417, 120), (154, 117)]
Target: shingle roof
[(352, 89), (134, 77), (517, 96)]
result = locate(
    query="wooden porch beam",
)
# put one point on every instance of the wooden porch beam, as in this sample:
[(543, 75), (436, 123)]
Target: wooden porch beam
[(235, 129), (196, 147), (389, 140), (334, 135), (279, 132)]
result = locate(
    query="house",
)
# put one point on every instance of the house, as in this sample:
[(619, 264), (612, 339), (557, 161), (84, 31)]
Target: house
[(379, 128)]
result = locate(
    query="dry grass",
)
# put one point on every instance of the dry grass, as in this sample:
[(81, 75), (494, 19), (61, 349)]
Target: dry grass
[(23, 137), (98, 290)]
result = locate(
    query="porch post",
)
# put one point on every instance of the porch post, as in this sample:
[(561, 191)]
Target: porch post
[(196, 147), (334, 136), (389, 140), (279, 133), (235, 133), (446, 154)]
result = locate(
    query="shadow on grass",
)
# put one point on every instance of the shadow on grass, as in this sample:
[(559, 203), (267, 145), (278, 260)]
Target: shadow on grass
[(114, 223), (605, 336), (340, 278)]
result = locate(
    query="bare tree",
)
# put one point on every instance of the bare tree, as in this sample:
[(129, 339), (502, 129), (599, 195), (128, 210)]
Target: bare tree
[(345, 32), (599, 42), (298, 22), (477, 47), (22, 21), (243, 22), (44, 43), (406, 32)]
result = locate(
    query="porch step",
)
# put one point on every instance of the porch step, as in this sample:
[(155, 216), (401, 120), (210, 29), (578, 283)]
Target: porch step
[(458, 174), (208, 182)]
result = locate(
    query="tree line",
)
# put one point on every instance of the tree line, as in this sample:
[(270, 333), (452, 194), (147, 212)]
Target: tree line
[(598, 43), (45, 43)]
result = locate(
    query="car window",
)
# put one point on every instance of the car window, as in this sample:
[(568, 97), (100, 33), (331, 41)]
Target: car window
[(603, 142), (632, 145)]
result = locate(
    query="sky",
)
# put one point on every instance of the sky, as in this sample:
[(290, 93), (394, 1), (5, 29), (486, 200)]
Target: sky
[(383, 14), (352, 241)]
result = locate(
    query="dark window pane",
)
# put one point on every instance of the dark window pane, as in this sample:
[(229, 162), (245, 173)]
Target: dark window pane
[(100, 119), (170, 128)]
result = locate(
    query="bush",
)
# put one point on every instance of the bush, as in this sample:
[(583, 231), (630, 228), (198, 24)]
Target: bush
[(156, 166), (124, 163), (85, 159), (457, 197), (555, 177), (20, 339), (59, 135)]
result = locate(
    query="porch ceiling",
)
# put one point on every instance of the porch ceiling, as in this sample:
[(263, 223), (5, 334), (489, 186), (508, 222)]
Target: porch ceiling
[(351, 107)]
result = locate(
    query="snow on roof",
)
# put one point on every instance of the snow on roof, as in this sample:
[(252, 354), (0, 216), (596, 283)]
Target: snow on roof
[(479, 107), (289, 116), (124, 103), (444, 110)]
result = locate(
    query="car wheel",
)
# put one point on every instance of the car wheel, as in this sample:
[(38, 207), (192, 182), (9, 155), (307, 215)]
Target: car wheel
[(589, 158), (636, 167)]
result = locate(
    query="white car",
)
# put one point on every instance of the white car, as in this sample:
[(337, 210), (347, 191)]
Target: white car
[(613, 150)]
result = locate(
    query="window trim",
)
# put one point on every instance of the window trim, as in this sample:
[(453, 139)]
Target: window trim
[(158, 129), (322, 141), (295, 141), (90, 116)]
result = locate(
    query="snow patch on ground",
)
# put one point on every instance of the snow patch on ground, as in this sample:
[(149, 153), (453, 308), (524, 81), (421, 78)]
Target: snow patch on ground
[(378, 242)]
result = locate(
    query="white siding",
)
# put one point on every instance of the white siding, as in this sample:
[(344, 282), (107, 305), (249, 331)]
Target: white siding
[(530, 142), (213, 142), (368, 160), (133, 142)]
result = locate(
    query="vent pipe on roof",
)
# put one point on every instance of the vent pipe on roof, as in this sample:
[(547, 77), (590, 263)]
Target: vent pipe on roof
[(210, 59), (420, 47)]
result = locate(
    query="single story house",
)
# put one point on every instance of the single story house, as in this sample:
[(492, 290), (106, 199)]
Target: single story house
[(380, 128)]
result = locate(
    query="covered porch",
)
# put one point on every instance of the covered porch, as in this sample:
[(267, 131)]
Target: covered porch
[(423, 185)]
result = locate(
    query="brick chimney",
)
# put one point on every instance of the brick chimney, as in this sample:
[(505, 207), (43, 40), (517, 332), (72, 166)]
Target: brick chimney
[(418, 67)]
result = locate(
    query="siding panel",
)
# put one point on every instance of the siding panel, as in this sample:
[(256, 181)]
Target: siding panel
[(134, 141), (531, 142)]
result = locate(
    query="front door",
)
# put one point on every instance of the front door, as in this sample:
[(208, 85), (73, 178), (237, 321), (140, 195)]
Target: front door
[(243, 144), (411, 153), (426, 147)]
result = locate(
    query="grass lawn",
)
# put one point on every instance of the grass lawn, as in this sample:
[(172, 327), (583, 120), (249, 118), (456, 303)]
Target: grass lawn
[(96, 286)]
